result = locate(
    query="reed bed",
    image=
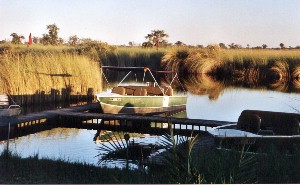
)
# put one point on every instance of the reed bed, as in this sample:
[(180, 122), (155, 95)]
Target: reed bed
[(135, 56), (186, 60), (275, 69), (35, 70), (39, 68)]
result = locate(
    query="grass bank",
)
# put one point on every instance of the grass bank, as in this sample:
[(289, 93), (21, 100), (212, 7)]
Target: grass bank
[(42, 68), (15, 170), (182, 165), (274, 69)]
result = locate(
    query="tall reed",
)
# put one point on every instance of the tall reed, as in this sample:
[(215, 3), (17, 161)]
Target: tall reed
[(32, 71), (140, 57), (186, 60)]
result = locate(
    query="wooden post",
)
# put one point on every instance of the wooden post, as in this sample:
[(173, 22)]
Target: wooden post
[(90, 95)]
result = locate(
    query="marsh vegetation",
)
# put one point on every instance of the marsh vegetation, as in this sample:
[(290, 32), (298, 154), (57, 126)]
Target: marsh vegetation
[(184, 162), (28, 70)]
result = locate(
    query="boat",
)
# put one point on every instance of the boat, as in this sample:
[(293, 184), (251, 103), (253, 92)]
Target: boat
[(260, 131), (6, 109), (140, 98)]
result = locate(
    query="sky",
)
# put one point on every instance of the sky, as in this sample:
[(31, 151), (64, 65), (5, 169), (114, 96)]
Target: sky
[(193, 22)]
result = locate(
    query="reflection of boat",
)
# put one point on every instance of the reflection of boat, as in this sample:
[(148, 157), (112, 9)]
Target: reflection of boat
[(7, 111), (149, 97), (261, 130)]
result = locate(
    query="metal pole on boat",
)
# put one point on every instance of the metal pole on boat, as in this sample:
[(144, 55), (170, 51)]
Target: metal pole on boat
[(124, 78)]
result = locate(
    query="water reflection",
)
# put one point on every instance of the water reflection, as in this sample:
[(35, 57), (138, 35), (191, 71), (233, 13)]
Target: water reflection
[(74, 145), (209, 97), (205, 84), (213, 85)]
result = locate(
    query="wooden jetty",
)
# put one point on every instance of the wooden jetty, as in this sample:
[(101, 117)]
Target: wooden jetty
[(88, 117)]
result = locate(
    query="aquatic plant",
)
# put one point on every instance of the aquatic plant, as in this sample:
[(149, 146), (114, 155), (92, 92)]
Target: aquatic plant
[(121, 145), (137, 57), (184, 60), (30, 71)]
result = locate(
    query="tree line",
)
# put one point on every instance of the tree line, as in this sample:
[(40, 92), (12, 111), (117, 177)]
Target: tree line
[(157, 38)]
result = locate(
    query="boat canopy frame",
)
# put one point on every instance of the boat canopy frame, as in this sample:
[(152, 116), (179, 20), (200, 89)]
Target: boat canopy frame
[(137, 69)]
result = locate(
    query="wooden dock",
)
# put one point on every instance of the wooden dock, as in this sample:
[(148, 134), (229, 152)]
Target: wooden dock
[(88, 117)]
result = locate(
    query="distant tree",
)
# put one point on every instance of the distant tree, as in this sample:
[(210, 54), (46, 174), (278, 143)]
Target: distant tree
[(200, 46), (157, 37), (297, 47), (234, 46), (130, 43), (45, 40), (36, 40), (53, 34), (231, 46), (248, 46), (281, 45), (257, 47), (179, 43), (165, 43), (86, 40), (222, 46), (264, 46), (17, 39), (147, 44), (73, 40), (61, 41)]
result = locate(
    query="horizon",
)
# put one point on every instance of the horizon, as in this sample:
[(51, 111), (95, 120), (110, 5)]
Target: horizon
[(193, 22)]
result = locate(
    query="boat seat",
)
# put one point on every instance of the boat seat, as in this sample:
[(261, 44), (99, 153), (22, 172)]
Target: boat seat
[(119, 90), (249, 123), (147, 91), (288, 127), (129, 90), (154, 91), (168, 92), (140, 92)]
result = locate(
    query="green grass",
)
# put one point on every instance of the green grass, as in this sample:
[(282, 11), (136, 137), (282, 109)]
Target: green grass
[(15, 170), (184, 163)]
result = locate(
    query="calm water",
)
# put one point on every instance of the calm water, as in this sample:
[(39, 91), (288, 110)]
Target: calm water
[(232, 102), (226, 105)]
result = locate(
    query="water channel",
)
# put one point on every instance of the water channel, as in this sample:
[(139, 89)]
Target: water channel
[(212, 103)]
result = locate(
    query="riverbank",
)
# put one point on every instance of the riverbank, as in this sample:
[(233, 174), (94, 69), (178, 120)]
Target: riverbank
[(15, 170), (182, 165)]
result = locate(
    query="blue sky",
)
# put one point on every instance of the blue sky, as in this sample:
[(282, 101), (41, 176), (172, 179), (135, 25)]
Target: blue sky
[(253, 22)]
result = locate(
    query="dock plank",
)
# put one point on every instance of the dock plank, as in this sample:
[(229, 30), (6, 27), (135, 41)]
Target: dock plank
[(80, 112)]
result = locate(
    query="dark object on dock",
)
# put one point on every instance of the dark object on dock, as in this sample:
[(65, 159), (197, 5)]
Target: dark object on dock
[(261, 130), (280, 123)]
